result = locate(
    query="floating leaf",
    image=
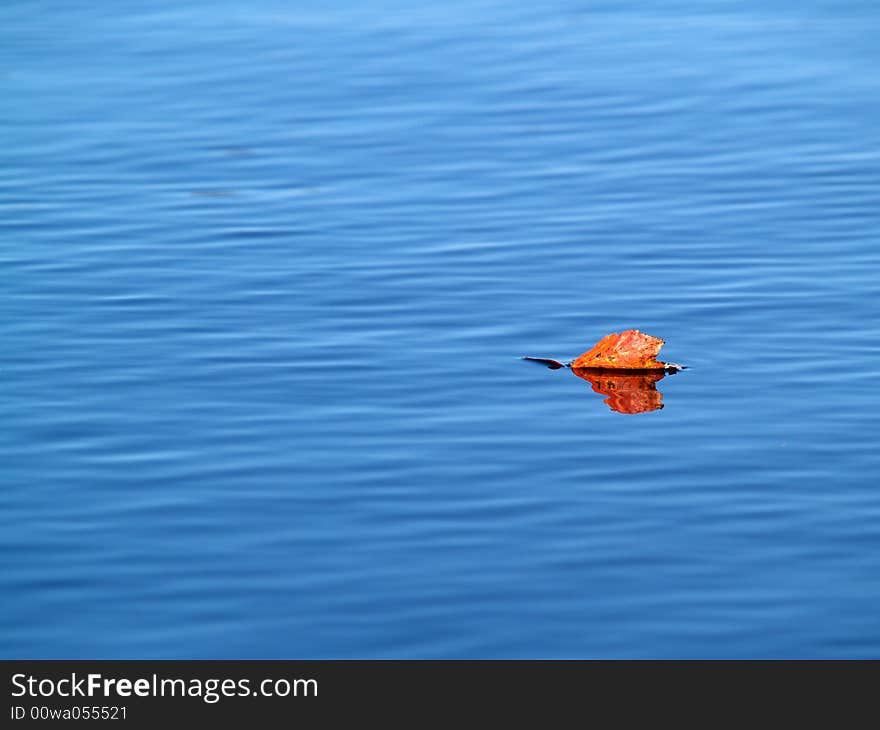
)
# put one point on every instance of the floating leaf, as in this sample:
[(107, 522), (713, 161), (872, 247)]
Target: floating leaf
[(629, 350), (624, 367), (629, 392)]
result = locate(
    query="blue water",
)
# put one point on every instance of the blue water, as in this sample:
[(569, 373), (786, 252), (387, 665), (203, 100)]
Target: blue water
[(267, 271)]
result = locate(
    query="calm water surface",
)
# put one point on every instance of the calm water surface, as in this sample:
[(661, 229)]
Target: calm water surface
[(267, 272)]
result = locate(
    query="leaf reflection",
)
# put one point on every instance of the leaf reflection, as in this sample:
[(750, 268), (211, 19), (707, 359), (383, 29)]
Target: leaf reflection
[(628, 392)]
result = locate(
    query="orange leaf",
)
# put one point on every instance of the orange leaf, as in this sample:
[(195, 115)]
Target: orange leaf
[(629, 350)]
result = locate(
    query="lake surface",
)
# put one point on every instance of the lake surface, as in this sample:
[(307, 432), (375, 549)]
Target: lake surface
[(267, 274)]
